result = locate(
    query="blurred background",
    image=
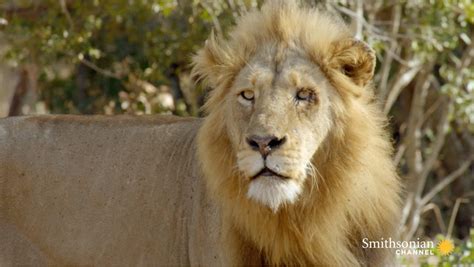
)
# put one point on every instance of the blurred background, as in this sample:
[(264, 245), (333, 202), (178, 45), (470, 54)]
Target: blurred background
[(133, 57)]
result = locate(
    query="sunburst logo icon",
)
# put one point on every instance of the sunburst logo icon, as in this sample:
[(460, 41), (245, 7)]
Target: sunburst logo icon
[(445, 247)]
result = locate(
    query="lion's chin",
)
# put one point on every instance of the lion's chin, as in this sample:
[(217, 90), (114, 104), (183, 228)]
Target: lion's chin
[(272, 191)]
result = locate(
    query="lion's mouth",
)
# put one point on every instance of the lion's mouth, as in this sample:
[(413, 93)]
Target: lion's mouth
[(268, 172)]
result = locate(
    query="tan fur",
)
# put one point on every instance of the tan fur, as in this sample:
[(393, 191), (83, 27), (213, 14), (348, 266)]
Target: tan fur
[(357, 188), (104, 191)]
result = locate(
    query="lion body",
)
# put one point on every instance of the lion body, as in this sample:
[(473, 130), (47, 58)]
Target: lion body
[(104, 191)]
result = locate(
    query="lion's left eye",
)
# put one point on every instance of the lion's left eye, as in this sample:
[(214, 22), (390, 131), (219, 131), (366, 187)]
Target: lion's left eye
[(303, 95), (247, 95)]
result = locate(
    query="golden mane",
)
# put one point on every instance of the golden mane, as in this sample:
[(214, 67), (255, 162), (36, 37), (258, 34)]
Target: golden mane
[(356, 193)]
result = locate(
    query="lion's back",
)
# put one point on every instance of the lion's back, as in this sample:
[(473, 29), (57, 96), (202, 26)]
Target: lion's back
[(100, 189)]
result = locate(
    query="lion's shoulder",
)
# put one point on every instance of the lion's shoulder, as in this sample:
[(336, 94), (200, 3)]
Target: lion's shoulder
[(158, 137), (79, 123), (98, 119)]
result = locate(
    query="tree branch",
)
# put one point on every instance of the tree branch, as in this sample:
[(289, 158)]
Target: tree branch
[(435, 148), (436, 210), (360, 19), (446, 181), (96, 68), (388, 59), (454, 215), (399, 85), (64, 9)]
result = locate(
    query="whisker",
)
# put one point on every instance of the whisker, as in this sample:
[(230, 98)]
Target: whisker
[(248, 65), (315, 175), (236, 173)]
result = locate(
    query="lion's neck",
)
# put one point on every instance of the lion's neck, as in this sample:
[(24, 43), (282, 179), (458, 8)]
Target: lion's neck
[(295, 232)]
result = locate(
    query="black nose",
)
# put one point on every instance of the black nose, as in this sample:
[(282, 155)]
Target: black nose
[(265, 144)]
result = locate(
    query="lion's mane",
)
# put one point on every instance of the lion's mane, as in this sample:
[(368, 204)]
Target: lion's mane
[(354, 193)]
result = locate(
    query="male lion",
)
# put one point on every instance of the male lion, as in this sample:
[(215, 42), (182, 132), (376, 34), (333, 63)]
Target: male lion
[(291, 166)]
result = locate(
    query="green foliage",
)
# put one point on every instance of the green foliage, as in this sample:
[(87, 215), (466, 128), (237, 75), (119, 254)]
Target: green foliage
[(439, 32), (122, 40), (463, 254), (153, 40)]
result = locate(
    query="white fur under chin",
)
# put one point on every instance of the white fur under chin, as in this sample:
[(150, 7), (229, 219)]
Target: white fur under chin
[(273, 192)]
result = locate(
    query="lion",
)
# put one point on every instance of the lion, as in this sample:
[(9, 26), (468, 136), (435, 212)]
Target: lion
[(290, 166)]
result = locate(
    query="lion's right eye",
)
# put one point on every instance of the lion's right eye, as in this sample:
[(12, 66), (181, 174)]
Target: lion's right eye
[(247, 95)]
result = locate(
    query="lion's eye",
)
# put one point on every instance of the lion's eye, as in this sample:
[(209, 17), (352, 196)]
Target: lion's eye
[(247, 95), (303, 95)]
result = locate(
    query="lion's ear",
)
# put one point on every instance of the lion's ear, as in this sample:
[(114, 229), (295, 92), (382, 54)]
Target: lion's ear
[(355, 59)]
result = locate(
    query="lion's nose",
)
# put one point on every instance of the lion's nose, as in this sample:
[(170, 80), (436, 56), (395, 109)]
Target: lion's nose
[(265, 144)]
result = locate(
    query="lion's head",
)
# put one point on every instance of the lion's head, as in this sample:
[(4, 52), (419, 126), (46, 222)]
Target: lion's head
[(271, 82), (280, 110)]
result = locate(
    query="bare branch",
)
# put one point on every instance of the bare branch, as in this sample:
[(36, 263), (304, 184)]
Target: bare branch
[(352, 14), (435, 148), (388, 59), (360, 19), (407, 208), (398, 156), (215, 21), (431, 110), (454, 214), (243, 6), (412, 136), (415, 221), (104, 72), (411, 215), (27, 84), (67, 14), (436, 210), (446, 181), (398, 87), (467, 56)]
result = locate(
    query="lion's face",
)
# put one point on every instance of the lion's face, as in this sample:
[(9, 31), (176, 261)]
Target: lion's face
[(279, 114)]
